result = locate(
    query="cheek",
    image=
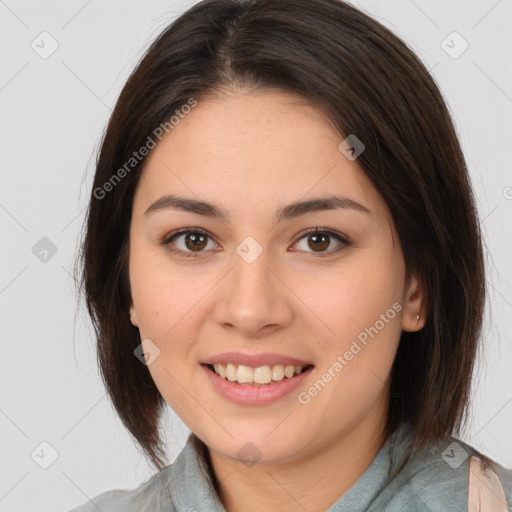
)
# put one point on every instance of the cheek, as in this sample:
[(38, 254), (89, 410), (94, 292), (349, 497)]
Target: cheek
[(349, 300), (360, 306), (166, 297), (169, 312)]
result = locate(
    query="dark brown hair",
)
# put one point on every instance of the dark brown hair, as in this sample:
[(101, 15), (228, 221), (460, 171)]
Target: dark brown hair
[(367, 82)]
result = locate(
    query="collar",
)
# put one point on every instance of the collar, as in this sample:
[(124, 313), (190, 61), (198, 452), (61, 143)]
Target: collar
[(192, 488)]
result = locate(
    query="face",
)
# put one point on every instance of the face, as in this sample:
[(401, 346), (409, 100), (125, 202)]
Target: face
[(265, 291)]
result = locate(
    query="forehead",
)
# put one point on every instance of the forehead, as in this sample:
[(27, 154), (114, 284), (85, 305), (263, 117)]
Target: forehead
[(251, 150)]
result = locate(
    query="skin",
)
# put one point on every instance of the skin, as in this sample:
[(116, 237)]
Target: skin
[(252, 153)]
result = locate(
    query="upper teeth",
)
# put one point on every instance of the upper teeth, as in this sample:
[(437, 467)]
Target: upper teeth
[(260, 375)]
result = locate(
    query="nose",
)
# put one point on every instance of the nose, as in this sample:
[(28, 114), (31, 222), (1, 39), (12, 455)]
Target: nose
[(253, 298)]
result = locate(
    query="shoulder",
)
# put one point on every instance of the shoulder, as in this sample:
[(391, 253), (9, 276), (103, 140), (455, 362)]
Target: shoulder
[(451, 475), (184, 484), (489, 483), (148, 496)]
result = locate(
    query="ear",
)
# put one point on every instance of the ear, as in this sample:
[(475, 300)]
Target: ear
[(133, 316), (414, 305)]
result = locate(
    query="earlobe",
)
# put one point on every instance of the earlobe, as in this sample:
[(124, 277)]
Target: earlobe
[(133, 317), (413, 318)]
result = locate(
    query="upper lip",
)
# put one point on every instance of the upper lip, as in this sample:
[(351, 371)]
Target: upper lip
[(255, 360)]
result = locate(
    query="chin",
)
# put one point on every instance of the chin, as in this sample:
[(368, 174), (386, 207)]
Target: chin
[(259, 447)]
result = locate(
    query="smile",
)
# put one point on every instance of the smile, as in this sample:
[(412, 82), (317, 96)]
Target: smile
[(252, 393), (260, 375)]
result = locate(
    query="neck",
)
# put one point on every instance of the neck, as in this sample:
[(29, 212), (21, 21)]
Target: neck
[(302, 484)]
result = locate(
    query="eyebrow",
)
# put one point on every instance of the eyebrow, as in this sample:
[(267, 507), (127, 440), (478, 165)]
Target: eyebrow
[(173, 202)]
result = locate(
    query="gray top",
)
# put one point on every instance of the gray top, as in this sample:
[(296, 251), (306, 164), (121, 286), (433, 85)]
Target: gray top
[(435, 480)]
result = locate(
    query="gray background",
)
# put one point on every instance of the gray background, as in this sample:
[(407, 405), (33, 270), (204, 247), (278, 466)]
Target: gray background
[(53, 111)]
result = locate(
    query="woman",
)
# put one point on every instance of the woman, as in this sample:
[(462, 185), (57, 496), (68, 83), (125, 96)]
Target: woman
[(282, 245)]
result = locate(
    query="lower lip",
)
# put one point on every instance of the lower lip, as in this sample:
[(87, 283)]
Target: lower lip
[(247, 394)]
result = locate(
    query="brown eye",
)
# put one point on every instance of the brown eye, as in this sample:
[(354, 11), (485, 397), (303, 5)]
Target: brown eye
[(319, 241), (194, 240)]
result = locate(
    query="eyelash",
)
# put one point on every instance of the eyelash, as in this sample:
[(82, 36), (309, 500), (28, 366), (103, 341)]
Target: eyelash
[(313, 231)]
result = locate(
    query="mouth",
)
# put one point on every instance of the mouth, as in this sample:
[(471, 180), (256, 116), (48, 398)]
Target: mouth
[(259, 376)]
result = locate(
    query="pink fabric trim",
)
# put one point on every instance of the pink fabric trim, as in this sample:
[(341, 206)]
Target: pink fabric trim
[(486, 493)]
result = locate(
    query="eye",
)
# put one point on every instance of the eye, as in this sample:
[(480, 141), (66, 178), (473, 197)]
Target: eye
[(196, 239), (320, 239)]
